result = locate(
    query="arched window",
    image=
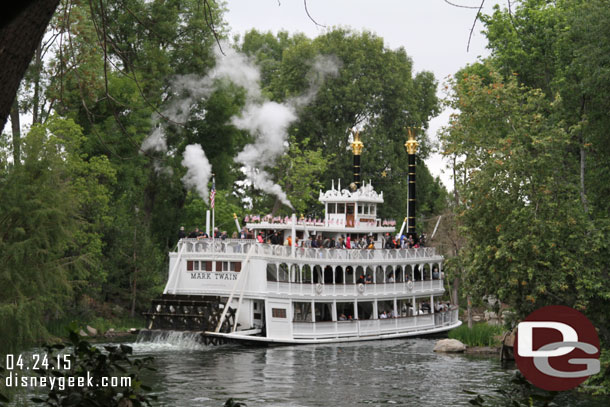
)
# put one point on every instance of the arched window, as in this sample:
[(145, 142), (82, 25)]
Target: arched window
[(306, 272), (282, 273), (390, 277), (271, 272), (349, 275), (399, 274), (295, 275), (317, 274), (379, 275), (339, 275), (427, 271), (328, 275)]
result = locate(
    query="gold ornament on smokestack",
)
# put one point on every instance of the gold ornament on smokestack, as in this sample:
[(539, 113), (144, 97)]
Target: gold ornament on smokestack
[(411, 144), (357, 145)]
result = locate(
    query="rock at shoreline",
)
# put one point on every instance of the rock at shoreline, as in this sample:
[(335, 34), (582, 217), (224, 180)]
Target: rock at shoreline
[(82, 333), (91, 330), (449, 346)]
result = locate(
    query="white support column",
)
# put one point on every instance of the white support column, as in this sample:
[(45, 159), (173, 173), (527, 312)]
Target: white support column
[(313, 311), (335, 317)]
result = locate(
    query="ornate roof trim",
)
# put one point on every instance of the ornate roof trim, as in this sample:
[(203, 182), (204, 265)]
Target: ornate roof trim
[(365, 193)]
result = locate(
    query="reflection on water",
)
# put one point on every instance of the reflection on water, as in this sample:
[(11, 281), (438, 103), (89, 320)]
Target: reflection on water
[(397, 372)]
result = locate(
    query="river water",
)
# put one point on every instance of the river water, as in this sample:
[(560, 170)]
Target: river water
[(378, 373)]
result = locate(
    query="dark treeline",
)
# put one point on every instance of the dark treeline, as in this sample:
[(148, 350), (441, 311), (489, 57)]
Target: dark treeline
[(87, 217)]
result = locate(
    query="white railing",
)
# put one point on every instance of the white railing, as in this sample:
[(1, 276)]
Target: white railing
[(321, 290), (241, 246), (369, 327)]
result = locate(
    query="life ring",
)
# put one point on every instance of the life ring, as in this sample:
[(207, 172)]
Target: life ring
[(361, 287), (319, 288), (410, 285)]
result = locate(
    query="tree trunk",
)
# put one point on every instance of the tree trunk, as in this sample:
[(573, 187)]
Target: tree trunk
[(583, 195), (454, 289), (36, 116), (16, 128), (19, 37)]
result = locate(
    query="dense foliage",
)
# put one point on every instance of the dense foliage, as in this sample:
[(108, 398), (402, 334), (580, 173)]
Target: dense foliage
[(87, 214), (530, 141)]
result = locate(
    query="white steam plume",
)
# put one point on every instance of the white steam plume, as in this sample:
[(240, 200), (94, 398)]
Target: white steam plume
[(199, 170), (267, 121)]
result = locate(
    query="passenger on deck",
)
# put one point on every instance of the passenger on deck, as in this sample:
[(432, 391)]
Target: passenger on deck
[(181, 233), (259, 238), (368, 279), (326, 243), (342, 317), (383, 315), (390, 278), (360, 279), (244, 233), (435, 273), (194, 234), (340, 243), (388, 242)]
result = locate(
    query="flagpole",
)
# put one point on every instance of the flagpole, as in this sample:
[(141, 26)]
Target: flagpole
[(212, 204), (212, 199)]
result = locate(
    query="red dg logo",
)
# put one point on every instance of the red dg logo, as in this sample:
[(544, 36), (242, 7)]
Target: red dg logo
[(557, 348)]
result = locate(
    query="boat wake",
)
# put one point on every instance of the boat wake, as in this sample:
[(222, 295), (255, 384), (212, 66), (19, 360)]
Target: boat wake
[(157, 340)]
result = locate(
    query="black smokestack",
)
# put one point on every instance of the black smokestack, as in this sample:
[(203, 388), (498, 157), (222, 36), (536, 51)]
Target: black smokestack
[(357, 150), (411, 146)]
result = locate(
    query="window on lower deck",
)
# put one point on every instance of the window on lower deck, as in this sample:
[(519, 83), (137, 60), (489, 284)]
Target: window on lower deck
[(387, 307), (365, 310), (278, 312), (404, 307), (302, 311), (345, 311), (324, 311)]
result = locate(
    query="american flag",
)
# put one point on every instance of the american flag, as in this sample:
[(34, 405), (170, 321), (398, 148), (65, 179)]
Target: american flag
[(213, 193)]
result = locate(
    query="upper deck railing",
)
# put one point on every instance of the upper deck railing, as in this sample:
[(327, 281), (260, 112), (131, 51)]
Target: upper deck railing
[(242, 246)]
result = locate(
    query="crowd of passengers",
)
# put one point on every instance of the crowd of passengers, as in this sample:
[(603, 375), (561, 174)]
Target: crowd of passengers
[(342, 242)]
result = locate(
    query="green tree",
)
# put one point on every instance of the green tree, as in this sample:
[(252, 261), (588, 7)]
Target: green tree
[(50, 247), (529, 241)]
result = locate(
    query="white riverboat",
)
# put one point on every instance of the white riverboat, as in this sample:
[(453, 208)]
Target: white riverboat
[(298, 294)]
